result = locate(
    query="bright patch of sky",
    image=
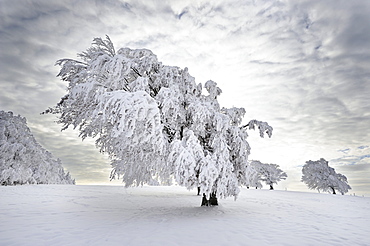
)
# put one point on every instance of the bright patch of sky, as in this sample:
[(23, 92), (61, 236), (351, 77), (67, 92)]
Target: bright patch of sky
[(302, 66)]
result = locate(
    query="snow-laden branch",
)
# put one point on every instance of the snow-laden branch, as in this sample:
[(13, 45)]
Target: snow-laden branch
[(263, 127)]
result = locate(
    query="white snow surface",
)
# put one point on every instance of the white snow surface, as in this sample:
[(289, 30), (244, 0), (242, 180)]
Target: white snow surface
[(114, 215)]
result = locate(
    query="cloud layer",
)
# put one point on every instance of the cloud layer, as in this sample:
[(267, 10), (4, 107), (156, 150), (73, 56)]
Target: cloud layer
[(302, 66)]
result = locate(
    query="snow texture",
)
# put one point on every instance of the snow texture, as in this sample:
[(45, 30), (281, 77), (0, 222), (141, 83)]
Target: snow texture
[(22, 159), (113, 215)]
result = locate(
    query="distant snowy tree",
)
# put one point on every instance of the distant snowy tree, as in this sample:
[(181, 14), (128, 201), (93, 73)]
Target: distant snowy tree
[(254, 177), (22, 159), (268, 173), (318, 175), (154, 122)]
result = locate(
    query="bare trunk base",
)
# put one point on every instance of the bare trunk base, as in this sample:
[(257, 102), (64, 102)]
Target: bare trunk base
[(211, 202), (333, 190), (271, 188)]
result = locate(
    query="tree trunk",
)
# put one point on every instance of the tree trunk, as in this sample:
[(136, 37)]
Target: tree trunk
[(205, 202), (333, 190), (211, 202), (198, 191), (271, 188)]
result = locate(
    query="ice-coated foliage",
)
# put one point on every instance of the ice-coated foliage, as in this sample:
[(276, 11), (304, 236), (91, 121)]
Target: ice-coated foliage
[(317, 175), (154, 121), (263, 127), (268, 173), (254, 180), (22, 159)]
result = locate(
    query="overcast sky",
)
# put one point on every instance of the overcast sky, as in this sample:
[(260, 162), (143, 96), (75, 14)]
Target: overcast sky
[(302, 66)]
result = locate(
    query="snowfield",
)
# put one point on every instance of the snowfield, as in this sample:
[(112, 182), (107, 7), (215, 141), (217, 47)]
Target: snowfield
[(113, 215)]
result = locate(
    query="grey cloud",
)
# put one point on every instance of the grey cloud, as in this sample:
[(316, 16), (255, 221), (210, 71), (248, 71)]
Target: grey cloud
[(363, 147), (355, 175), (331, 94), (353, 156), (345, 151), (80, 158), (359, 169), (183, 12), (355, 37)]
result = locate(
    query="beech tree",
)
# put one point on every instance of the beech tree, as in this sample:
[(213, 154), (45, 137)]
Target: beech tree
[(22, 159), (154, 121), (318, 175), (254, 179), (268, 173)]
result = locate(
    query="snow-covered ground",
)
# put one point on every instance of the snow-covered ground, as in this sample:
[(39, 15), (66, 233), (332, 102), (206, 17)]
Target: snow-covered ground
[(113, 215)]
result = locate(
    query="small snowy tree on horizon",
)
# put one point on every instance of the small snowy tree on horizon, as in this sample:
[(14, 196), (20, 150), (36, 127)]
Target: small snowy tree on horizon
[(318, 175), (268, 173), (22, 159), (154, 122), (254, 179)]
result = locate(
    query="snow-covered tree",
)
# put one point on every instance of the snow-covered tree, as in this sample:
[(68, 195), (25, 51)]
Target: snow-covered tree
[(268, 173), (318, 175), (22, 159), (153, 120), (254, 177)]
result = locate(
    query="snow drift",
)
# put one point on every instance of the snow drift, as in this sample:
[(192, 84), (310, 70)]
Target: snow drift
[(114, 215)]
